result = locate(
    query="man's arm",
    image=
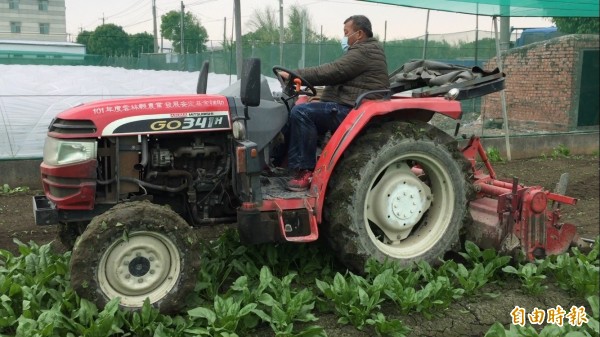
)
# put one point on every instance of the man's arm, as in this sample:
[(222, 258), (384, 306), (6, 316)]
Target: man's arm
[(339, 71)]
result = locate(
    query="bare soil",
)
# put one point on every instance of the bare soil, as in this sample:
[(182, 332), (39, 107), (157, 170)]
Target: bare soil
[(468, 317)]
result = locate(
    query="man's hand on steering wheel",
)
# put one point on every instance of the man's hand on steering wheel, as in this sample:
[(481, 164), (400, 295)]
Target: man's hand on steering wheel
[(292, 83)]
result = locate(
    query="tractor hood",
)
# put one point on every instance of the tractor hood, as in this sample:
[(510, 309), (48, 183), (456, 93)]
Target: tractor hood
[(143, 115)]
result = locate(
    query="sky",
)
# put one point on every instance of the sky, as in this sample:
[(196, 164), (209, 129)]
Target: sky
[(135, 16)]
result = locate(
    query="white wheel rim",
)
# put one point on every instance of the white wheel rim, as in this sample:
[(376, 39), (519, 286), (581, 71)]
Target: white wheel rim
[(435, 202), (145, 265)]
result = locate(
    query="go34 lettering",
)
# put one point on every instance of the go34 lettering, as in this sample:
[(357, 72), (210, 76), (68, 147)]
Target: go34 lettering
[(190, 123)]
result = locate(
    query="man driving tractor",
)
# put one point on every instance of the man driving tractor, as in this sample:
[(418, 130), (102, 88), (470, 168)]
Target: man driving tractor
[(361, 68)]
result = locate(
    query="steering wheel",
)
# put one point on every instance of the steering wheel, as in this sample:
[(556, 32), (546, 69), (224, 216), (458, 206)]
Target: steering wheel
[(292, 87)]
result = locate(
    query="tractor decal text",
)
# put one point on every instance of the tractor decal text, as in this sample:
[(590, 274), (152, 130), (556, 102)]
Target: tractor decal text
[(214, 120), (189, 123), (159, 105)]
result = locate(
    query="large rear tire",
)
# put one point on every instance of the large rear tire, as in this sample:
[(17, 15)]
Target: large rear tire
[(400, 193), (135, 251)]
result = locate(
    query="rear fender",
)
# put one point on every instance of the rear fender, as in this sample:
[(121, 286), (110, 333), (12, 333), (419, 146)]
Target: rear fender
[(358, 119)]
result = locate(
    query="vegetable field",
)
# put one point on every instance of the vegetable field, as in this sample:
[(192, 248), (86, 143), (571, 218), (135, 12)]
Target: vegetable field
[(301, 290), (282, 290)]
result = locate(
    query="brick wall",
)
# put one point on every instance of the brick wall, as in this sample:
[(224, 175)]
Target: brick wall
[(542, 84)]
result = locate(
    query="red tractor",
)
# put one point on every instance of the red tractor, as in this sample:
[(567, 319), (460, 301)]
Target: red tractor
[(130, 178)]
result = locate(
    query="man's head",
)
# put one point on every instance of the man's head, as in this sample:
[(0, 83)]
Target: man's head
[(357, 28)]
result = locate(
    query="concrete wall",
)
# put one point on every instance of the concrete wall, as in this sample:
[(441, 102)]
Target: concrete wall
[(27, 173), (21, 172), (542, 84), (522, 147)]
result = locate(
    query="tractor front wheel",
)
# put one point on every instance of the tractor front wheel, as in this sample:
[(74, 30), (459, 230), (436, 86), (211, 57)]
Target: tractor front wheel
[(135, 251), (400, 193)]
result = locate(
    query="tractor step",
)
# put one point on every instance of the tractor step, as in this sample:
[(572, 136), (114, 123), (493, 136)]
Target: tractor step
[(298, 225)]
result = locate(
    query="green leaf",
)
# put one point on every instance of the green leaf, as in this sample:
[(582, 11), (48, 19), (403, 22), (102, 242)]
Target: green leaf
[(240, 284), (510, 270), (594, 304), (205, 313), (146, 311), (339, 283), (26, 327), (576, 334), (323, 286), (265, 276), (246, 309), (343, 320), (552, 330), (263, 316), (198, 331), (311, 331), (15, 289), (473, 250), (363, 296), (267, 299), (496, 330), (594, 325), (278, 315)]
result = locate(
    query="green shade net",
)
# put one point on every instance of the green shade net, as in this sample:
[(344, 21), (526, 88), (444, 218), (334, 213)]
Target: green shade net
[(514, 8)]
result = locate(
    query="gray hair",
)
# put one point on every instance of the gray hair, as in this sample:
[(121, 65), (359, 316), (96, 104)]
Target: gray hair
[(361, 22)]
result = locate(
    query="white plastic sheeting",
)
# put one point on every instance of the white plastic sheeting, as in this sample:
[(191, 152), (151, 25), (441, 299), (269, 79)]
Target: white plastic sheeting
[(30, 96)]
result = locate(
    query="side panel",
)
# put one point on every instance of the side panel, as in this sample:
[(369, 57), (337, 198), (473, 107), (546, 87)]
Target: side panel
[(358, 119), (147, 115)]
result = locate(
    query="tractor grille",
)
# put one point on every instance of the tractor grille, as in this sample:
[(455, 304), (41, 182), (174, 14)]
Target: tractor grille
[(63, 187), (72, 126)]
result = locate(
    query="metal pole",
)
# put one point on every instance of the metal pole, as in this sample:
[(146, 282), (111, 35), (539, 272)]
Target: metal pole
[(384, 34), (281, 32), (181, 28), (155, 28), (238, 38), (182, 50), (502, 93), (476, 47), (504, 33), (476, 33), (303, 58), (231, 48), (426, 36), (320, 44)]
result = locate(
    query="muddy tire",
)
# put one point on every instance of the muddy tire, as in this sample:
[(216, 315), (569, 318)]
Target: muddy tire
[(69, 232), (135, 251), (400, 192)]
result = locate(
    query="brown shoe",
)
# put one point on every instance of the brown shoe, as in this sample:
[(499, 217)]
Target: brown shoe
[(300, 181)]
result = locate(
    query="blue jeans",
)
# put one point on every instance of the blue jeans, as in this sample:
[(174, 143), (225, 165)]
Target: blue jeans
[(306, 123)]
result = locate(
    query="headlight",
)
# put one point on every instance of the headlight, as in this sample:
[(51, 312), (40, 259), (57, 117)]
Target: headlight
[(62, 152), (239, 130)]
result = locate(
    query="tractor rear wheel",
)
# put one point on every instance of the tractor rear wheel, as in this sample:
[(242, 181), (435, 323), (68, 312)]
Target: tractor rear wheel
[(400, 193), (134, 251)]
